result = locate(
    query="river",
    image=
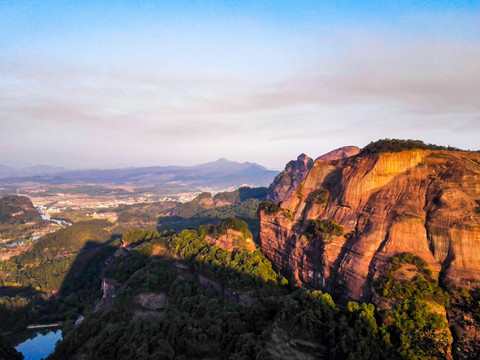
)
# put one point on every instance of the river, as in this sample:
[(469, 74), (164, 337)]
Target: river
[(58, 221)]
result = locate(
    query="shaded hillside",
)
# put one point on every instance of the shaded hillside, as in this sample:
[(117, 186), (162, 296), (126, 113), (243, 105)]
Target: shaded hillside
[(54, 280), (71, 239), (210, 209), (173, 296), (45, 264)]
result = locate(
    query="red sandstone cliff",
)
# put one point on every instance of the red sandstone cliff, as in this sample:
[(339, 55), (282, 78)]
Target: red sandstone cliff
[(422, 201), (340, 153), (289, 179), (296, 170)]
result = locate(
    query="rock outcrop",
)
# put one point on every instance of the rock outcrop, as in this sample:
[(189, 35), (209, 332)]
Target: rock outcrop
[(109, 287), (426, 202), (340, 153), (296, 171), (290, 178), (232, 240)]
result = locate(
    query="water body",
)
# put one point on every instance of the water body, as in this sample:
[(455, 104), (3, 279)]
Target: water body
[(59, 222), (36, 344), (48, 218)]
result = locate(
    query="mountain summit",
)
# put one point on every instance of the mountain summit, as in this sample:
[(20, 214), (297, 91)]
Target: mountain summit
[(341, 221)]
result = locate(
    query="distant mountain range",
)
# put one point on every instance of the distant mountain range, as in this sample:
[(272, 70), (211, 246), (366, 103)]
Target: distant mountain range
[(221, 174), (11, 172)]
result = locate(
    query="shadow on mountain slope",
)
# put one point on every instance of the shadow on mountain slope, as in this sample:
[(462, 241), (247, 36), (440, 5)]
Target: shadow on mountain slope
[(176, 297)]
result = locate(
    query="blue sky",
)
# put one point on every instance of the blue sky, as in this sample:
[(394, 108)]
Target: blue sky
[(117, 83)]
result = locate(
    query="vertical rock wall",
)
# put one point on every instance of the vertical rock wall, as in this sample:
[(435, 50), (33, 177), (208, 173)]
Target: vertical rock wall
[(419, 201)]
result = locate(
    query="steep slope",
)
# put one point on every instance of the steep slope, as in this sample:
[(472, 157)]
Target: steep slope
[(179, 297), (289, 179), (421, 201), (296, 170)]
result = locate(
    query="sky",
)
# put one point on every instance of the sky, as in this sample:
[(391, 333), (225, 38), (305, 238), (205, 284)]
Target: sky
[(102, 84)]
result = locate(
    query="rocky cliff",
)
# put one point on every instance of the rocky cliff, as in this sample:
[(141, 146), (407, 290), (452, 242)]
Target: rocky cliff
[(340, 153), (296, 170), (289, 179), (426, 202)]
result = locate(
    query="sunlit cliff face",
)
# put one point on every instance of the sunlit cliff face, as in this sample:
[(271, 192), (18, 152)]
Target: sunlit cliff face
[(422, 202)]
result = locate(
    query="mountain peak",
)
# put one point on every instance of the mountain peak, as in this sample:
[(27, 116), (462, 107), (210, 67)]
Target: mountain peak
[(223, 160)]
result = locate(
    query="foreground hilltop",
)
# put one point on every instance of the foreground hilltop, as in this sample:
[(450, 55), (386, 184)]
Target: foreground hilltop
[(338, 228)]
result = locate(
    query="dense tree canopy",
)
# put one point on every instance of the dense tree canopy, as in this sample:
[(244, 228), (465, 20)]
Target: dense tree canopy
[(397, 145)]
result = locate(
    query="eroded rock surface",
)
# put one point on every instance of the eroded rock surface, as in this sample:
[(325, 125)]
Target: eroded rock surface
[(290, 178), (232, 240), (340, 153), (422, 201)]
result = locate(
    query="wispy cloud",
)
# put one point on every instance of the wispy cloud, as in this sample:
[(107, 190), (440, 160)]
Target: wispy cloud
[(373, 86), (424, 79)]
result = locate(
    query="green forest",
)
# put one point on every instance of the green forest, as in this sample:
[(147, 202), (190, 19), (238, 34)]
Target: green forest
[(397, 145), (242, 204)]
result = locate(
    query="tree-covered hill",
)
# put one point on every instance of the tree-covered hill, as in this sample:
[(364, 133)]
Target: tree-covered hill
[(397, 145), (211, 209), (17, 210)]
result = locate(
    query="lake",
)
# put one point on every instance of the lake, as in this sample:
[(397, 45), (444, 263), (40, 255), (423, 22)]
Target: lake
[(36, 344)]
